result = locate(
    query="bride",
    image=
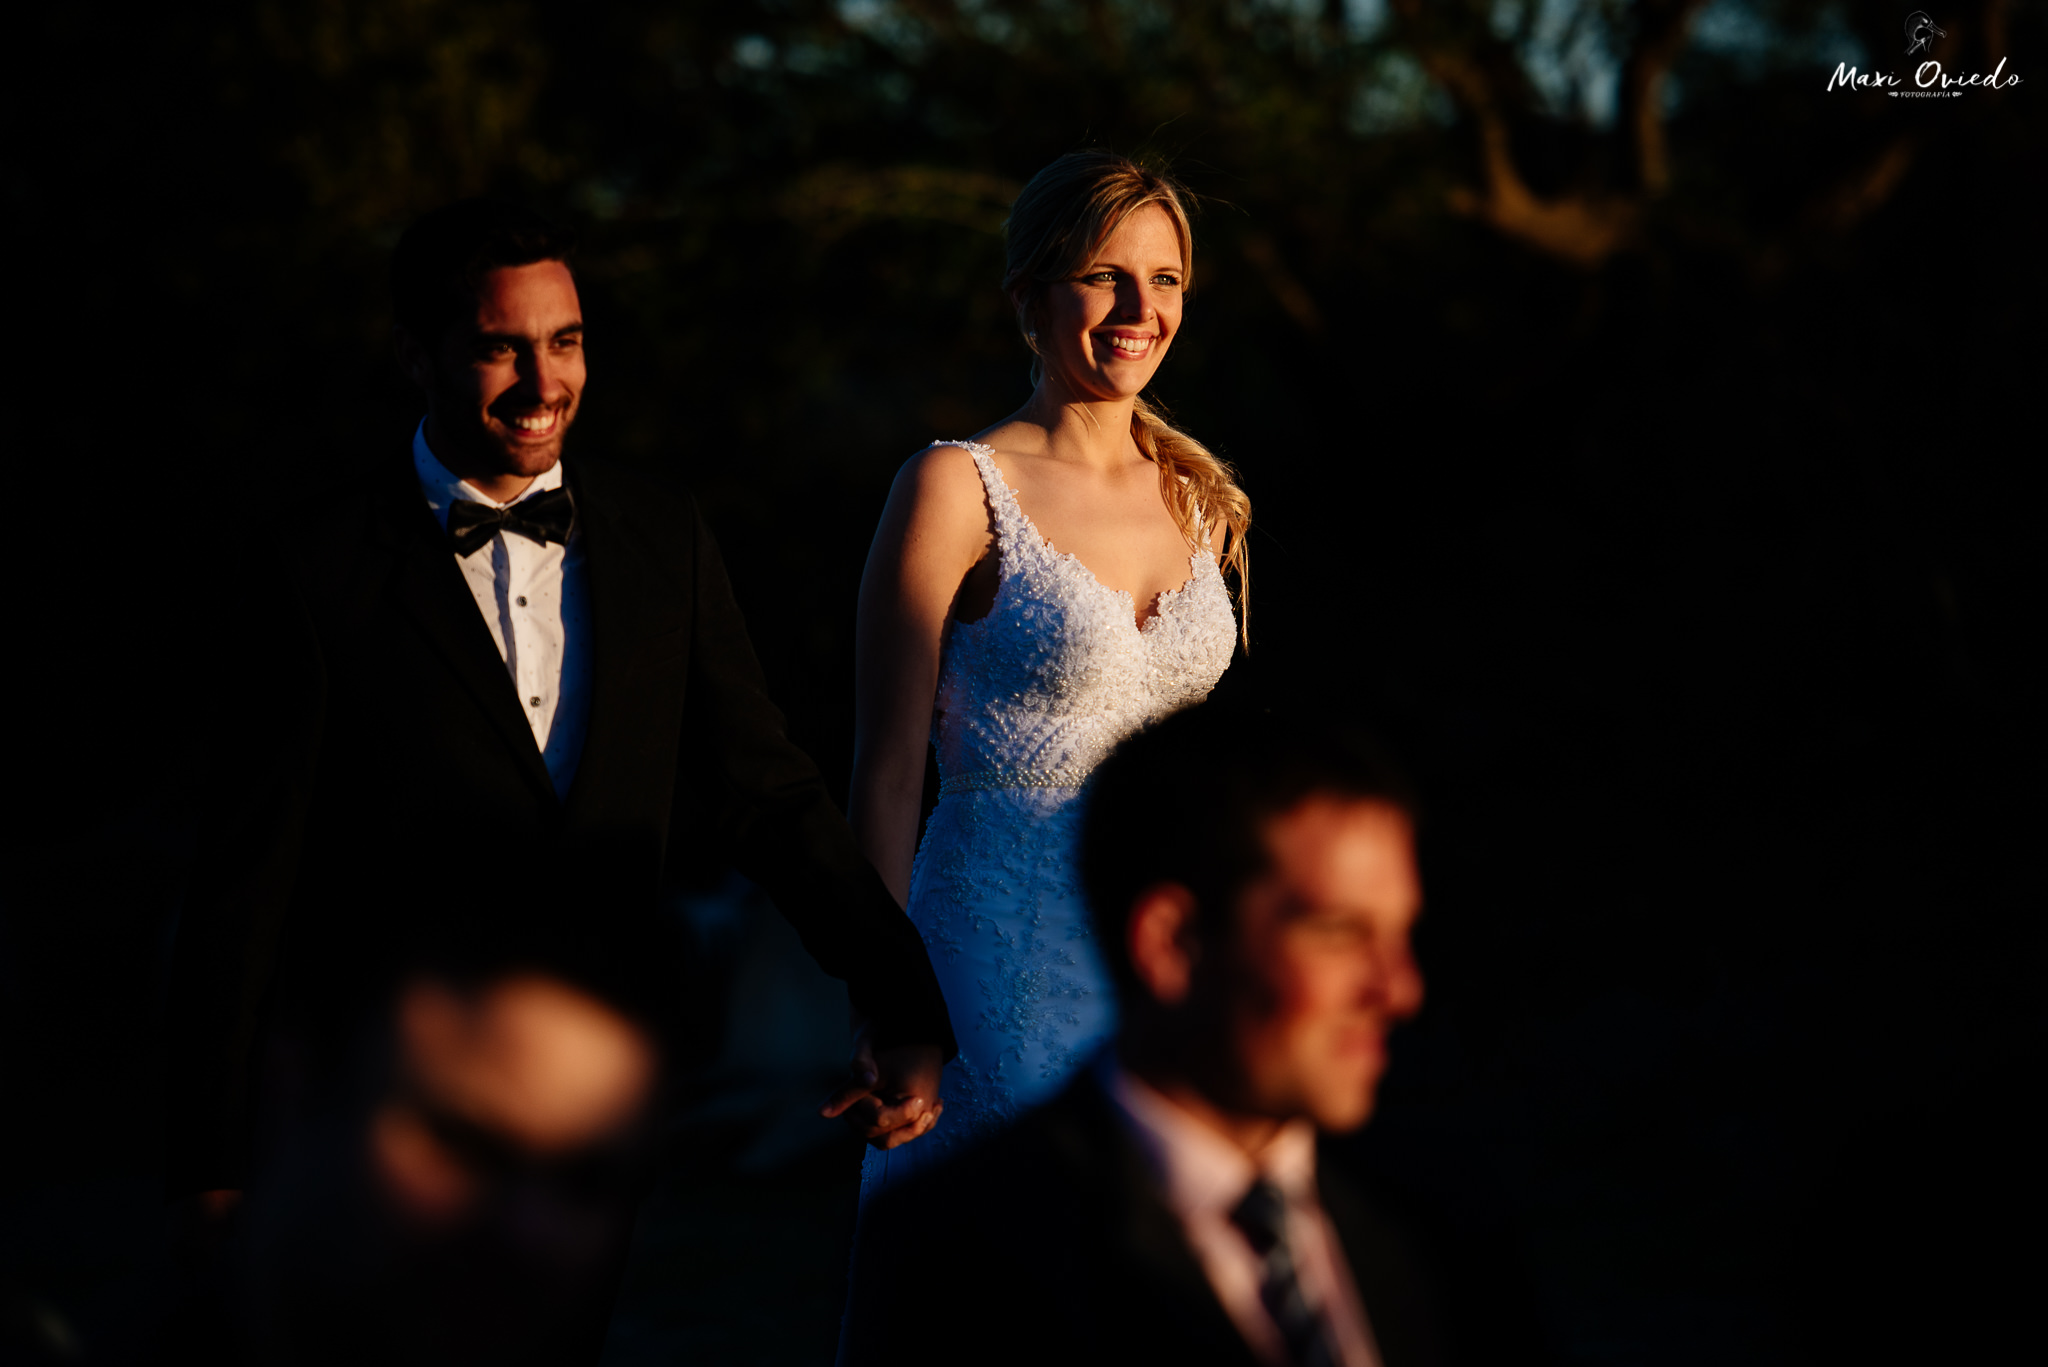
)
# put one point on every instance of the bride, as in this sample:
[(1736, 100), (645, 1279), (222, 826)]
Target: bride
[(1032, 597)]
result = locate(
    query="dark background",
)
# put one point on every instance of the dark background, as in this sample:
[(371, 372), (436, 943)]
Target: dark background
[(1656, 482)]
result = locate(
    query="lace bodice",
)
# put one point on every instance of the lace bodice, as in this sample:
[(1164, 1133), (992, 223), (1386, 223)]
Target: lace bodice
[(1031, 698), (1040, 689)]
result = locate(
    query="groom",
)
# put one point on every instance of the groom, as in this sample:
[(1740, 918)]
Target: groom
[(493, 684)]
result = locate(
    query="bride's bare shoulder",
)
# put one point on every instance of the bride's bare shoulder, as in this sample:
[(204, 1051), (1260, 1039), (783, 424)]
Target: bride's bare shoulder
[(939, 487), (941, 471)]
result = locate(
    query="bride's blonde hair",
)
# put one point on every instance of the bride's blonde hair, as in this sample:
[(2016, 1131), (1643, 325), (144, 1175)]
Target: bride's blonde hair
[(1058, 223)]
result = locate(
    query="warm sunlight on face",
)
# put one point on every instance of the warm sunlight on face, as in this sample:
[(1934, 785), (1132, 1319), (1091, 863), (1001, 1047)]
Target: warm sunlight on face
[(1323, 960), (1104, 334), (507, 381)]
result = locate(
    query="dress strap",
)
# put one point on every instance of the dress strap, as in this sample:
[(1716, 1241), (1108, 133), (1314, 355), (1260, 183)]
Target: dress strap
[(1011, 524)]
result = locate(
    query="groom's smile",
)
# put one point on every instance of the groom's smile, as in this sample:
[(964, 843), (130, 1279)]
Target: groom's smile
[(523, 425), (505, 383)]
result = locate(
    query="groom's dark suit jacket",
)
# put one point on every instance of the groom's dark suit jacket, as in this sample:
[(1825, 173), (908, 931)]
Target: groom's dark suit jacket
[(378, 797), (1050, 1243)]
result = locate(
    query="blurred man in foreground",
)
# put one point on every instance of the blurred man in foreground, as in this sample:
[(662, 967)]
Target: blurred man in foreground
[(470, 1200), (1253, 884)]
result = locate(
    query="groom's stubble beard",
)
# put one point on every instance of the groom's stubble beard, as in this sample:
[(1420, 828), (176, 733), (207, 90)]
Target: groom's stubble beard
[(465, 443)]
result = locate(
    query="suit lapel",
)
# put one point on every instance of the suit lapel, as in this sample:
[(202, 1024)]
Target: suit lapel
[(433, 593), (1170, 1278), (1183, 1318), (629, 612), (1398, 1308)]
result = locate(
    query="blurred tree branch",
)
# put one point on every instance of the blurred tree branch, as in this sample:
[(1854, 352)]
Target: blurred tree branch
[(1288, 291), (1660, 32), (1483, 74), (1846, 204)]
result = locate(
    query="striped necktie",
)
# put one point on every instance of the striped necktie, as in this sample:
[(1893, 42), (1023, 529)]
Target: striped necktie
[(1262, 1216)]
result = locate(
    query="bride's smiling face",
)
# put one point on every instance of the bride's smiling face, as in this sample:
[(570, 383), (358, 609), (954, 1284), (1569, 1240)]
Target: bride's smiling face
[(1103, 334)]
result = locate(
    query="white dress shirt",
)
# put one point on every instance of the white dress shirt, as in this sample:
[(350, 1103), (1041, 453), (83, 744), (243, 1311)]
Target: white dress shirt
[(535, 599), (1203, 1176)]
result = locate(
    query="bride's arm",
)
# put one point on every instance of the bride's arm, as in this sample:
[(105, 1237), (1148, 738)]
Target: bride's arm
[(933, 531)]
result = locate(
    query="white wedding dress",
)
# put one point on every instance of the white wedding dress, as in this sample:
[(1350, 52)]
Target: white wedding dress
[(1031, 698)]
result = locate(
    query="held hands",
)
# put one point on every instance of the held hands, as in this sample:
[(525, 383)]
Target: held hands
[(891, 1095)]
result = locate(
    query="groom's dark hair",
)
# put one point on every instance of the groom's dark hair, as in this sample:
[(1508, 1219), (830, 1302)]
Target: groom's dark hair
[(444, 256), (1187, 802)]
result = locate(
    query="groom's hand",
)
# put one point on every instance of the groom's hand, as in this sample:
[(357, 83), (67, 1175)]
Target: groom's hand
[(891, 1095)]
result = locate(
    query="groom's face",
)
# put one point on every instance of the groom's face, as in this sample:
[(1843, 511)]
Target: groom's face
[(505, 382)]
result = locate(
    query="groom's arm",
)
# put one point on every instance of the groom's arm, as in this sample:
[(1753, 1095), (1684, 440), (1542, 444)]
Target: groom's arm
[(774, 819)]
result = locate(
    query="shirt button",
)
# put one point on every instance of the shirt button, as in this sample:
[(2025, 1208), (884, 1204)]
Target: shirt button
[(534, 701), (520, 600)]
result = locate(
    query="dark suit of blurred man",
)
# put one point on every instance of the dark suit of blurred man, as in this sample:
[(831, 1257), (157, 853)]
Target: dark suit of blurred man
[(1253, 884)]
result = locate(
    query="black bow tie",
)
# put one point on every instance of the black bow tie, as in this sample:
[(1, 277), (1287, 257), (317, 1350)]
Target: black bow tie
[(543, 518)]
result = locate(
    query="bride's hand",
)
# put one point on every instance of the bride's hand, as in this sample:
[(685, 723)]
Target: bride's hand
[(891, 1095)]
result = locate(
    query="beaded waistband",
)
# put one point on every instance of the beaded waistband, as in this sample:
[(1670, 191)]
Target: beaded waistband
[(986, 780)]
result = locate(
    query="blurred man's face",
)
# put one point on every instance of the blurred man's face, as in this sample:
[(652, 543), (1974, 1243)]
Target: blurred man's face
[(1322, 968), (504, 384), (514, 1087)]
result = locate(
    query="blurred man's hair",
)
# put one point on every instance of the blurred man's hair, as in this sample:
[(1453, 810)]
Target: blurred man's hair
[(443, 258), (1187, 802), (533, 916)]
